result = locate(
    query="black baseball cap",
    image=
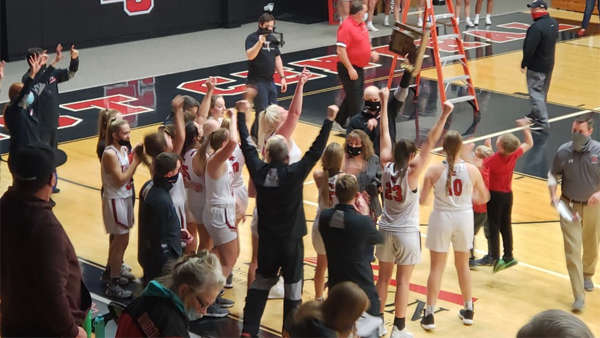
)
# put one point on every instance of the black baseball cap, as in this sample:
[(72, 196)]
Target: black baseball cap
[(538, 4), (33, 163)]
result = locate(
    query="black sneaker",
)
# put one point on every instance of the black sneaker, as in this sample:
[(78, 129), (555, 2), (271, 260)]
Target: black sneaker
[(427, 322), (224, 302), (55, 190), (472, 264), (485, 261), (105, 278), (215, 311), (466, 316), (114, 290), (229, 281)]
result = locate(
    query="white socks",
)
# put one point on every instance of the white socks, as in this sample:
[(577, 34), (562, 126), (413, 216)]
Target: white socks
[(469, 305), (429, 309)]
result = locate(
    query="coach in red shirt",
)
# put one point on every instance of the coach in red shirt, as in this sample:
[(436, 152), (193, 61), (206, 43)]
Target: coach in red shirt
[(354, 53)]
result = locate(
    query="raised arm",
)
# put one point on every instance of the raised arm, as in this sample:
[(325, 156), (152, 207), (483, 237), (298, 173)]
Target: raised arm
[(233, 130), (313, 154), (221, 156), (427, 185), (205, 104), (433, 137), (178, 120), (63, 75), (289, 125), (2, 65), (528, 143), (385, 141), (253, 163), (252, 49)]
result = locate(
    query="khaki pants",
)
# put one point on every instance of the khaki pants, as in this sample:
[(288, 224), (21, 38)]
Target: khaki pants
[(586, 232)]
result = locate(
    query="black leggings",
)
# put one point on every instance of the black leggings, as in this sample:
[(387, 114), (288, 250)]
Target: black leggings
[(499, 219)]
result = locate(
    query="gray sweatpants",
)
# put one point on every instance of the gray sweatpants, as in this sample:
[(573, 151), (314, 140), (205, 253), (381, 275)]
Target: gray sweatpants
[(538, 85)]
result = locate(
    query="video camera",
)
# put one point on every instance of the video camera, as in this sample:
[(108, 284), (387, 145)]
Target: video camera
[(275, 38)]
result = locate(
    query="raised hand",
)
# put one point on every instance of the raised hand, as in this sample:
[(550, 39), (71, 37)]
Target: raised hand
[(332, 112), (304, 76), (74, 53), (36, 62), (384, 94), (177, 103), (447, 108), (211, 83), (242, 106)]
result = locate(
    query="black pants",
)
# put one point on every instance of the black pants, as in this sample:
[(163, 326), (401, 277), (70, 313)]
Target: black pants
[(499, 217), (276, 256), (353, 101)]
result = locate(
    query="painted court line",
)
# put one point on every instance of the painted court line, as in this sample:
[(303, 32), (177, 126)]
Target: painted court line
[(512, 130)]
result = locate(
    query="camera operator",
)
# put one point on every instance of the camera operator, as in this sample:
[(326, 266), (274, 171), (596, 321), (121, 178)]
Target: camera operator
[(264, 58)]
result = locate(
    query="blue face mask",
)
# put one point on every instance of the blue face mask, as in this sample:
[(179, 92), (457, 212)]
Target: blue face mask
[(29, 99)]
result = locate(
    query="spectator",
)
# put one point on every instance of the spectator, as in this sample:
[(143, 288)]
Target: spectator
[(46, 92), (264, 59), (159, 225), (281, 220), (538, 61), (50, 299), (185, 292), (354, 53), (349, 238), (335, 317), (575, 165), (555, 323)]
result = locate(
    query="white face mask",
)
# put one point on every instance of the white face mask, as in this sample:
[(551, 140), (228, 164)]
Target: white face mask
[(193, 315)]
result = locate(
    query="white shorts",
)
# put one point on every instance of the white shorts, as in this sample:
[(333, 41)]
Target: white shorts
[(117, 214), (194, 208), (241, 201), (450, 226), (317, 239), (220, 224), (402, 248)]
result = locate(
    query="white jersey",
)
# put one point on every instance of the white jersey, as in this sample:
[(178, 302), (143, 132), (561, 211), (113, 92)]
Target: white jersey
[(219, 192), (237, 163), (459, 196), (400, 203), (294, 152), (110, 189), (178, 196), (194, 184)]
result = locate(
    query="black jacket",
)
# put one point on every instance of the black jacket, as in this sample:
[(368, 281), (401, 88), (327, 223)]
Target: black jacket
[(46, 91), (159, 234), (348, 237), (360, 121), (279, 187), (21, 122), (539, 45)]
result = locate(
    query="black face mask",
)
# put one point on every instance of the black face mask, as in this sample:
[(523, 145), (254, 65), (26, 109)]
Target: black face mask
[(125, 143), (172, 179), (263, 31), (373, 107), (353, 151)]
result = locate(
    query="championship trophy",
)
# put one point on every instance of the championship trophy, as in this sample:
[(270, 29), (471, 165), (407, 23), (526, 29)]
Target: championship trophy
[(403, 43)]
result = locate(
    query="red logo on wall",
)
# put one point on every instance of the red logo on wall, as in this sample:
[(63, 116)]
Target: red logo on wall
[(133, 7)]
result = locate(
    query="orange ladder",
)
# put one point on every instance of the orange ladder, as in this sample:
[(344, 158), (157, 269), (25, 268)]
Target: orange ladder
[(441, 61)]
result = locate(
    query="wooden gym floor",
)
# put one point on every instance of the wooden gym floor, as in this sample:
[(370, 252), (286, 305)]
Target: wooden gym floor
[(505, 301)]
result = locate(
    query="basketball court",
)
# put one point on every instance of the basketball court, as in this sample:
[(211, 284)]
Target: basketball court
[(504, 301)]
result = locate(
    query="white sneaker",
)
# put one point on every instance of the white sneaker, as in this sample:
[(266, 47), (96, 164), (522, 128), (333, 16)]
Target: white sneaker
[(469, 22), (278, 290), (400, 334), (458, 20), (371, 27), (386, 20), (488, 20), (476, 20)]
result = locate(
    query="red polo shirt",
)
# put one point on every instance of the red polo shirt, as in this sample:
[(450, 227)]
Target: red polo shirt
[(355, 38), (501, 170)]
